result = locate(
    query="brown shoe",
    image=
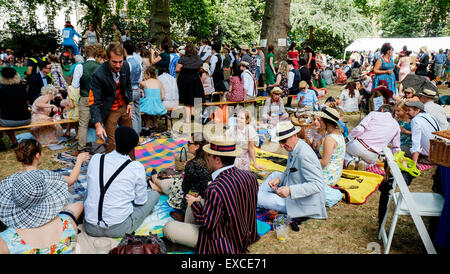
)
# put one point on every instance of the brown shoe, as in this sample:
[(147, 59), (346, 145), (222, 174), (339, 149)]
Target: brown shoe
[(177, 216)]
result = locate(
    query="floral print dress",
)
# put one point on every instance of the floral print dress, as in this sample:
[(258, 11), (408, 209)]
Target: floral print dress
[(333, 171), (17, 245)]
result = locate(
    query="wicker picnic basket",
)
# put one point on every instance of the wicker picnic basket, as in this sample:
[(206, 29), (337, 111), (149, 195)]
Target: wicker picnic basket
[(440, 148)]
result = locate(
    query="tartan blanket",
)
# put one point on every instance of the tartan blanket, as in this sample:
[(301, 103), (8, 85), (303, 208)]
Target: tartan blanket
[(158, 153)]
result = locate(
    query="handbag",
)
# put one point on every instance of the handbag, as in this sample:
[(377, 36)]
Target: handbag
[(179, 161), (406, 164), (132, 244)]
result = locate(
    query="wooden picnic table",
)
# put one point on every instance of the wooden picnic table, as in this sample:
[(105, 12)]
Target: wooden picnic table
[(40, 124)]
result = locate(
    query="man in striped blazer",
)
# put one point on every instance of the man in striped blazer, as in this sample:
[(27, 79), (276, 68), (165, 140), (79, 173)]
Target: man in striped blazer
[(225, 219)]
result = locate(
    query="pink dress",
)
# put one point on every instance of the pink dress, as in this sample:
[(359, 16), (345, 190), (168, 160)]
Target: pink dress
[(404, 66), (46, 135), (237, 90)]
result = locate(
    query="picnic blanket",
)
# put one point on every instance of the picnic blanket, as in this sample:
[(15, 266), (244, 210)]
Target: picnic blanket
[(378, 170), (158, 153), (358, 185)]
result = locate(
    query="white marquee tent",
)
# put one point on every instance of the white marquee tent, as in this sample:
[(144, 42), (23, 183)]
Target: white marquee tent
[(413, 44)]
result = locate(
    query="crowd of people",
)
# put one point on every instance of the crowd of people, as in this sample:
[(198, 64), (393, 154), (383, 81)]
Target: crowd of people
[(121, 90)]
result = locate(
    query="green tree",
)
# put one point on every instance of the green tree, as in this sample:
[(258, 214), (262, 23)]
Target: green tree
[(328, 25)]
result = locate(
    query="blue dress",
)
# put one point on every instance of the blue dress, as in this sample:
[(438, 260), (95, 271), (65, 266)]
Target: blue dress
[(389, 78), (152, 104)]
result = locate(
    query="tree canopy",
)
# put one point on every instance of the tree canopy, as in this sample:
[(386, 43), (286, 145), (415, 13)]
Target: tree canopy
[(326, 25)]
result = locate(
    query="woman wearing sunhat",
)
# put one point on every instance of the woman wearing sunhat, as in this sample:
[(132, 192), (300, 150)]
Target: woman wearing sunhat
[(274, 110), (34, 207), (332, 151)]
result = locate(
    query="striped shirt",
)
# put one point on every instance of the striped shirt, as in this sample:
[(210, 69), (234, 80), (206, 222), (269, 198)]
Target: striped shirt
[(228, 216)]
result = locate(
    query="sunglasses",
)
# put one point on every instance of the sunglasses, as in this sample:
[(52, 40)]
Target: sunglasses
[(282, 142)]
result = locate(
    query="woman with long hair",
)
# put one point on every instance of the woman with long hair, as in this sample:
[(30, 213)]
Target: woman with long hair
[(246, 136), (151, 103), (332, 151), (189, 83), (195, 177), (281, 79), (270, 66), (293, 54), (349, 98)]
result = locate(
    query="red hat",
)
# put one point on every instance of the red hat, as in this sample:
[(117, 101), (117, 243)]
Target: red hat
[(382, 83), (68, 23)]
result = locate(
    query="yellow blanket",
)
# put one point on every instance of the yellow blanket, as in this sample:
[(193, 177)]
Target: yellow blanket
[(357, 190), (356, 185)]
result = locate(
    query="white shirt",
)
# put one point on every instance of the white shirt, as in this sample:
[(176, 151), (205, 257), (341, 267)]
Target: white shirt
[(438, 113), (421, 133), (291, 77), (128, 187), (217, 172), (232, 57), (170, 87), (249, 82), (207, 50), (349, 104), (77, 74), (212, 64)]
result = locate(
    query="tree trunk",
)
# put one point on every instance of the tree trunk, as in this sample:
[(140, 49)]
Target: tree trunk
[(311, 35), (159, 21), (276, 25)]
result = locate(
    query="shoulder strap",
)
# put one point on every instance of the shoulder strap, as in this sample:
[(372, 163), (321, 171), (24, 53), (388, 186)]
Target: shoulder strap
[(435, 129), (104, 188)]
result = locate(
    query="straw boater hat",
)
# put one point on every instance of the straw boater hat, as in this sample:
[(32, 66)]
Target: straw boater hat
[(276, 90), (429, 93), (245, 47), (205, 67), (303, 84), (329, 114), (32, 198), (223, 146), (285, 129), (245, 64)]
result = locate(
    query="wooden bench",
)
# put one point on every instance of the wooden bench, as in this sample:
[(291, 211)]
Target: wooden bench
[(40, 124), (221, 103)]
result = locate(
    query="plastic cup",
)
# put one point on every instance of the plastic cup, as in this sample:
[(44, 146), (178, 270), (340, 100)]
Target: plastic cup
[(282, 233), (102, 246)]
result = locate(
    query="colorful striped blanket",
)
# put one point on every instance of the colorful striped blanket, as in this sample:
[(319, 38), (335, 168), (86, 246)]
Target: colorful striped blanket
[(158, 153)]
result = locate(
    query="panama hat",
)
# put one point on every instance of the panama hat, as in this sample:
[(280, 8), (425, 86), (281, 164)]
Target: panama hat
[(329, 114), (253, 51), (423, 48), (303, 84), (32, 198), (245, 64), (276, 90), (223, 146), (205, 67), (244, 47), (285, 129), (429, 93)]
